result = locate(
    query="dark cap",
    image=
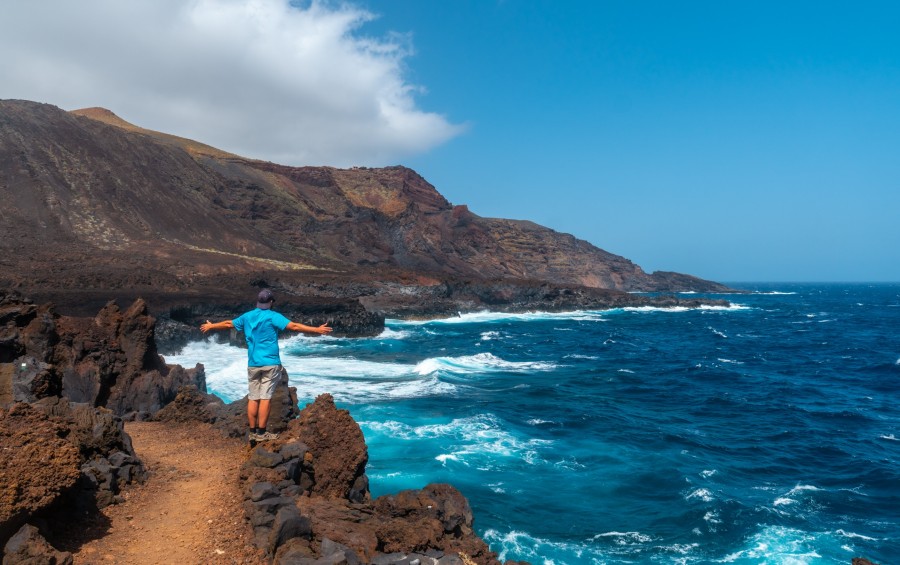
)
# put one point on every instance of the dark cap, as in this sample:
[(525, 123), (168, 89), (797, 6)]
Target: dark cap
[(265, 299)]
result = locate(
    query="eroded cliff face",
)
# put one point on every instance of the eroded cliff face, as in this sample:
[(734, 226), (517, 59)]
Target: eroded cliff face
[(94, 206)]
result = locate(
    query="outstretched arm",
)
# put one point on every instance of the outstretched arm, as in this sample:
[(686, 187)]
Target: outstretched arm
[(227, 324), (295, 327)]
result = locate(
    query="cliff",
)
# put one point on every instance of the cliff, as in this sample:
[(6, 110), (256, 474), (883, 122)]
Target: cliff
[(96, 208)]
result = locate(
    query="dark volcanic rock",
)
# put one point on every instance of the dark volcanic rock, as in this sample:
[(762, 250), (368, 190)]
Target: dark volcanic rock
[(108, 360), (338, 449), (321, 513), (191, 405), (28, 547), (111, 361)]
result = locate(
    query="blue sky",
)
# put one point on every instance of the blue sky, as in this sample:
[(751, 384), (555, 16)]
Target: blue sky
[(735, 141)]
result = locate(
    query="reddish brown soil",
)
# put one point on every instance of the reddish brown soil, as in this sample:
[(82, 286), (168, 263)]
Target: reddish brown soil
[(189, 511)]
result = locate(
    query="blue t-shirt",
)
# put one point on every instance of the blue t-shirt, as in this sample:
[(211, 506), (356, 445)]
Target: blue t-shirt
[(261, 328)]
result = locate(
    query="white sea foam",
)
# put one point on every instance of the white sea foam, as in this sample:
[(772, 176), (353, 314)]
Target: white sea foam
[(570, 463), (717, 332), (444, 457), (486, 317), (624, 538), (629, 371), (702, 307), (708, 473), (784, 501), (348, 379), (701, 493), (361, 392), (851, 535), (538, 422), (488, 336), (478, 363), (889, 437), (479, 438), (774, 293), (303, 344), (389, 333), (525, 546), (779, 544), (731, 361), (225, 365), (803, 488), (679, 548), (587, 357)]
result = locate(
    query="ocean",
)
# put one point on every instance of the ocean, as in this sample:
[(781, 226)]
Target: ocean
[(765, 432)]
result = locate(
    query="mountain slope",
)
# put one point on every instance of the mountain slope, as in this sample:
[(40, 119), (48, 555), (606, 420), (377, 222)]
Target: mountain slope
[(93, 202)]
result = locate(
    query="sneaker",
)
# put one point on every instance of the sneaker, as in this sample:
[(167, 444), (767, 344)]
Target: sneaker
[(265, 436)]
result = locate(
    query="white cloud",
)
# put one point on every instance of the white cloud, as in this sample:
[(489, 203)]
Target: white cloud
[(297, 85)]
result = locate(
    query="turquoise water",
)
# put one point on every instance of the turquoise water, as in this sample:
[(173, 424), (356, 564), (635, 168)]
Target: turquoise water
[(768, 432)]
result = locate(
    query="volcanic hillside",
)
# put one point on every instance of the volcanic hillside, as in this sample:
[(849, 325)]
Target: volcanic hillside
[(93, 202)]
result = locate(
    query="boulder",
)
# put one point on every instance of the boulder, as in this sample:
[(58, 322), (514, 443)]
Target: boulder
[(288, 524), (191, 405), (435, 517), (28, 547), (108, 459), (38, 464), (338, 448)]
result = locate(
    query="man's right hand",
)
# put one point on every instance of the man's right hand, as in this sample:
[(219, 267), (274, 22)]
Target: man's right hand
[(323, 329)]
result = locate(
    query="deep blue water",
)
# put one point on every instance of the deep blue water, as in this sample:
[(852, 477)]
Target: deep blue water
[(768, 432)]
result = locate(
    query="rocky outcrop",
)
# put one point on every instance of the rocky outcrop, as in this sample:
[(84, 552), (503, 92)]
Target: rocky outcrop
[(37, 465), (108, 360), (338, 447), (450, 298), (308, 501), (60, 458)]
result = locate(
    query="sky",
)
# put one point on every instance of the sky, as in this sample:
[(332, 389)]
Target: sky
[(734, 141)]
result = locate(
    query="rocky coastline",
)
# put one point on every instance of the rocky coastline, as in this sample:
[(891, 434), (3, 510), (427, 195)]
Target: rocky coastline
[(69, 384), (325, 301)]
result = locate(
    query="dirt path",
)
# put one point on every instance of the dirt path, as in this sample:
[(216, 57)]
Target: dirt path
[(190, 509)]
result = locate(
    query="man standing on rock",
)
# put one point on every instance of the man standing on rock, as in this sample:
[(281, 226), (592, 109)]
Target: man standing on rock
[(264, 370)]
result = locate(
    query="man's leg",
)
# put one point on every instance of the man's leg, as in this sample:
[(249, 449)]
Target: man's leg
[(269, 382), (263, 417), (253, 413)]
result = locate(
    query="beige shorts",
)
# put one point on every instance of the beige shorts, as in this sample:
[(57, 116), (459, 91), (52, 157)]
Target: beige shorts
[(263, 381)]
